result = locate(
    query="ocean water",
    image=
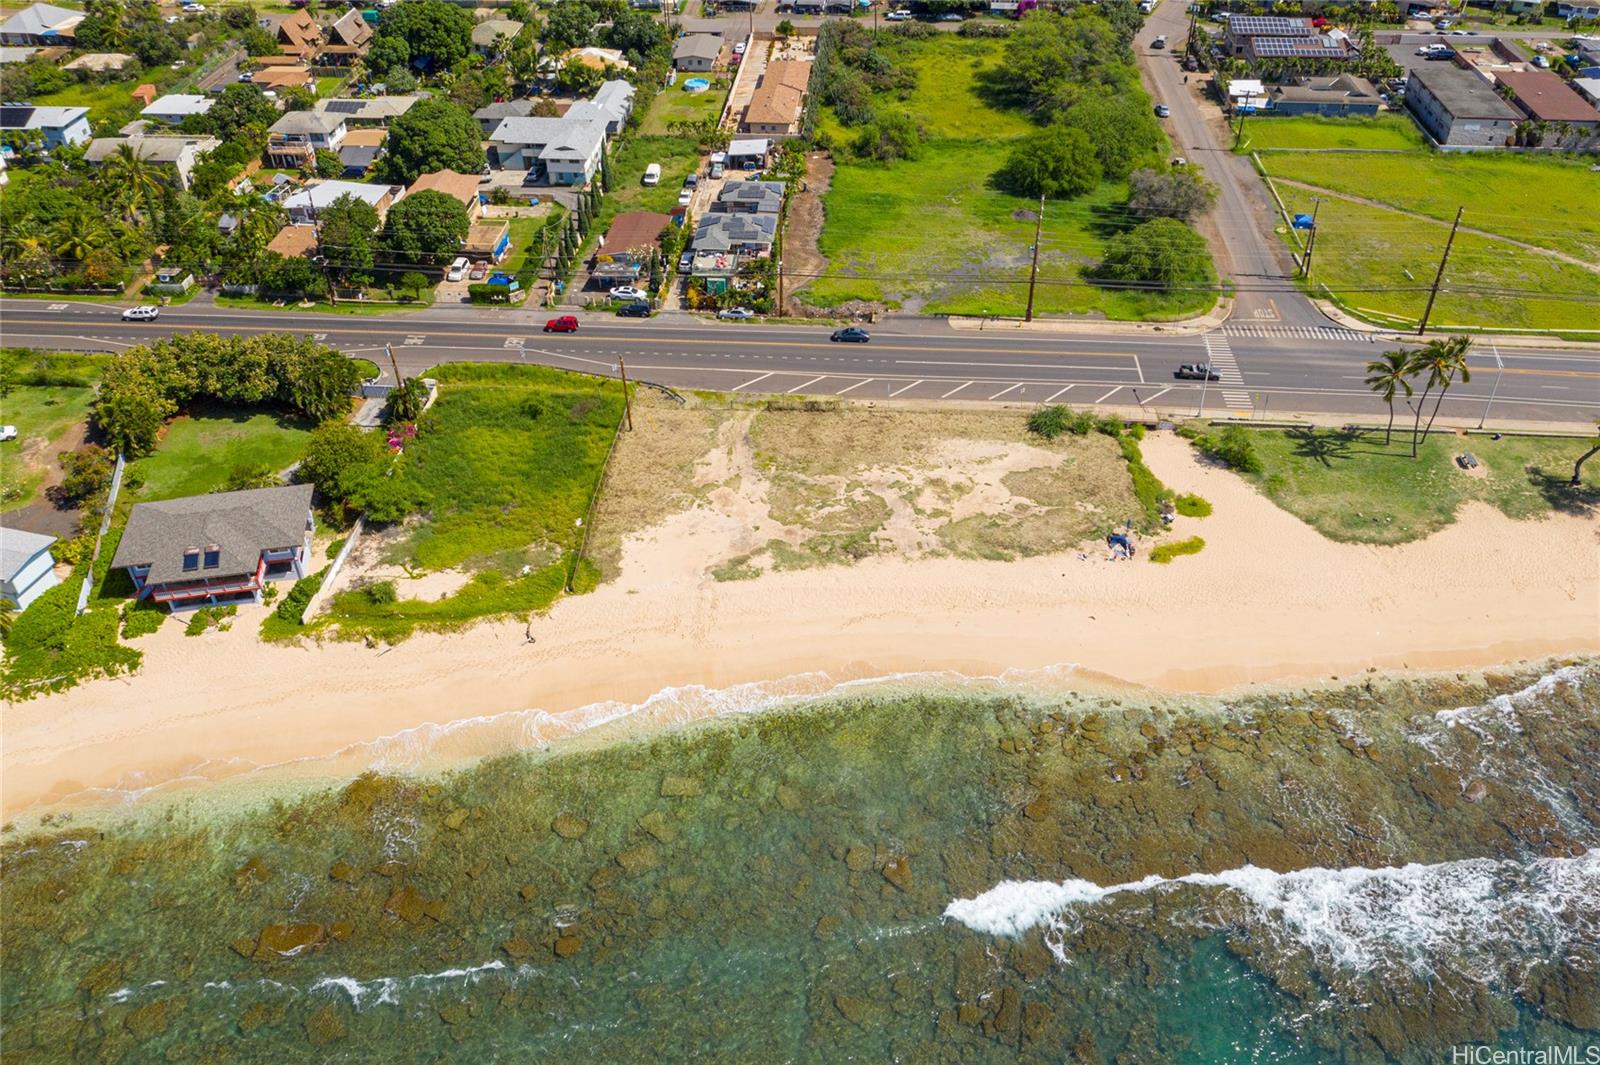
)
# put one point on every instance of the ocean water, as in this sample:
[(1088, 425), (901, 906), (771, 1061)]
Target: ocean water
[(926, 872)]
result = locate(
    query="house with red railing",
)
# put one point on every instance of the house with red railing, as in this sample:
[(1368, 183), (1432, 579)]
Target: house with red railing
[(216, 549)]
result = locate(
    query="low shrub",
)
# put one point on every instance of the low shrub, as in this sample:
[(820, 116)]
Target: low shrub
[(141, 619), (294, 604), (1147, 487), (380, 593), (1232, 447), (1163, 554), (489, 293), (1192, 506), (1051, 422)]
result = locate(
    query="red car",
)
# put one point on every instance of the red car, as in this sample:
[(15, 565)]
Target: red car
[(565, 324)]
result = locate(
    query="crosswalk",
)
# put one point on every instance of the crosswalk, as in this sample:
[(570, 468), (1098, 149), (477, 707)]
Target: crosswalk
[(1220, 354), (1295, 332)]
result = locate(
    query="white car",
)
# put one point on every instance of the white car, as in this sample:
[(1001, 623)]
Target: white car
[(628, 292), (458, 269), (738, 49), (143, 313), (8, 432), (898, 16), (193, 9), (684, 196)]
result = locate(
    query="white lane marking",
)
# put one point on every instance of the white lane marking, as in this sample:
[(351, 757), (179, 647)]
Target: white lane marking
[(857, 385), (1053, 395), (754, 380), (954, 390), (1003, 391), (1136, 366), (1158, 395), (1109, 394), (808, 384), (907, 388), (415, 341)]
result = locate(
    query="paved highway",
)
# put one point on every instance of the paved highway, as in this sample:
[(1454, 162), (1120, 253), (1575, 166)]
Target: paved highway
[(1267, 368)]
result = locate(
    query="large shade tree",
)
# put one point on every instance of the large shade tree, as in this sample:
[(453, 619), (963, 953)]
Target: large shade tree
[(433, 135), (1056, 162), (427, 227)]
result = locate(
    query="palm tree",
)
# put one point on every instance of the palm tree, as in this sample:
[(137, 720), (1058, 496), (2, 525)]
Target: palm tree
[(1388, 375), (77, 234), (1442, 360)]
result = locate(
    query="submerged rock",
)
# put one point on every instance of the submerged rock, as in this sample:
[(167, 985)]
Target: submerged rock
[(287, 940), (898, 872), (257, 1016), (343, 872), (569, 827), (324, 1027), (676, 787), (518, 947), (567, 946), (251, 873), (410, 906), (456, 818), (637, 860), (149, 1020), (656, 824)]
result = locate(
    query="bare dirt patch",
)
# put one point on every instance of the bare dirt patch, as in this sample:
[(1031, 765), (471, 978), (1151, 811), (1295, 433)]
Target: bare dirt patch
[(801, 259)]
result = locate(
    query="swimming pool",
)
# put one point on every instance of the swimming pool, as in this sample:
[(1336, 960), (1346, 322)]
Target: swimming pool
[(696, 85)]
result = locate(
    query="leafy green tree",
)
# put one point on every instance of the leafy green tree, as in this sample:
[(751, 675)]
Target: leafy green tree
[(1577, 467), (340, 457), (1051, 61), (570, 24), (258, 41), (312, 378), (348, 229), (1056, 162), (637, 34), (579, 79), (1180, 194), (130, 416), (85, 475), (426, 227), (238, 108), (414, 282), (296, 276), (328, 164), (1388, 376), (405, 403), (433, 135), (1162, 253), (891, 135), (428, 35), (1122, 127)]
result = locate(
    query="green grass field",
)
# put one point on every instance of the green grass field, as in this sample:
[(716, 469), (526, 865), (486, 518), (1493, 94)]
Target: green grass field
[(46, 395), (200, 452), (101, 99), (1385, 131), (1350, 487), (672, 104), (931, 233), (505, 467), (679, 157)]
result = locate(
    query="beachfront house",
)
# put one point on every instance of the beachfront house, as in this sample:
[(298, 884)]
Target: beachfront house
[(216, 549), (27, 569)]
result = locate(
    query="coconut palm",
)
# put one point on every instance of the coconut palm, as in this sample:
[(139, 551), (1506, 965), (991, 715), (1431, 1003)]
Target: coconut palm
[(1443, 361), (77, 234), (1387, 376)]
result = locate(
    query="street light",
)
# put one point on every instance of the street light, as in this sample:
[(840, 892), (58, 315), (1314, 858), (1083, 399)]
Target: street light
[(1500, 371)]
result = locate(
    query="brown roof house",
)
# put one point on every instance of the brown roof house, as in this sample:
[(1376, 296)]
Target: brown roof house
[(347, 40), (624, 252), (776, 105), (456, 185), (300, 36), (1568, 120)]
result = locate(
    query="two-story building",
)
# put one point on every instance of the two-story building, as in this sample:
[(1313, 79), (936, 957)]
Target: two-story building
[(52, 127), (173, 108), (304, 204), (367, 112), (216, 549), (41, 26), (558, 151), (294, 140), (174, 155), (1459, 108), (347, 40)]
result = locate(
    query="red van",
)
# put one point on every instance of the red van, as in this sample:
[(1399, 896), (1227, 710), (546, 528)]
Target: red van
[(565, 324)]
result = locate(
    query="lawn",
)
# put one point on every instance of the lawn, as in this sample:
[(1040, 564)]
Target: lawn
[(504, 470), (44, 395), (1381, 263), (1350, 487), (200, 452), (673, 104), (1386, 131), (679, 157), (329, 86), (525, 239), (100, 99), (931, 234)]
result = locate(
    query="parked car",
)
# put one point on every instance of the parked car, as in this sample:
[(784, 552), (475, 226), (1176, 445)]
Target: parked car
[(952, 16), (685, 195), (685, 261), (565, 324), (1196, 371), (532, 177), (1162, 110), (8, 432), (691, 181), (628, 292), (193, 9), (458, 269), (1444, 23), (737, 314), (486, 174), (850, 334), (143, 313), (247, 76), (652, 174), (738, 49), (636, 309), (717, 171), (480, 270), (898, 16)]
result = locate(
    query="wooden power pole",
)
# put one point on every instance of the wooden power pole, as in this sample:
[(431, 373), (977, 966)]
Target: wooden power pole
[(1438, 278), (627, 404), (1033, 271), (1311, 241)]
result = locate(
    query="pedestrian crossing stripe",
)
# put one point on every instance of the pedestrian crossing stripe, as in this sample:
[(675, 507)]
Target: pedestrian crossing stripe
[(1220, 354), (1296, 332)]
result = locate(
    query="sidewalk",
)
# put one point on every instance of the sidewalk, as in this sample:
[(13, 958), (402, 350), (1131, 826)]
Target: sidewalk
[(1183, 327)]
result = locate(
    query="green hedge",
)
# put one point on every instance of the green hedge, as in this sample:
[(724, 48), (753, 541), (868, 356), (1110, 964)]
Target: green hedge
[(489, 293)]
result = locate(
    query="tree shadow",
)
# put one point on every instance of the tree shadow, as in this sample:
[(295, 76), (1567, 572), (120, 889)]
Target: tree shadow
[(1323, 446), (1580, 500)]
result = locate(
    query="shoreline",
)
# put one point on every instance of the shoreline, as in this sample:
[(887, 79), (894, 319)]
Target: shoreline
[(1269, 601)]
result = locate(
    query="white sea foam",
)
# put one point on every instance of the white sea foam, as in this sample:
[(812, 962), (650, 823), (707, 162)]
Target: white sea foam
[(1505, 708), (381, 990), (1462, 915)]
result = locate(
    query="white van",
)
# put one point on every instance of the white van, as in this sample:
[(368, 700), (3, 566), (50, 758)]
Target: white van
[(652, 174)]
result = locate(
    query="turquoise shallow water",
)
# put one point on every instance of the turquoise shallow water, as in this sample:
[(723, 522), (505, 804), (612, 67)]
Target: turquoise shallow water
[(1371, 873)]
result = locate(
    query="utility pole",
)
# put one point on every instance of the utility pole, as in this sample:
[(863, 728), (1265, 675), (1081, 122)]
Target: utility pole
[(1422, 326), (1244, 110), (1033, 271), (1311, 241), (389, 350), (627, 404), (322, 257)]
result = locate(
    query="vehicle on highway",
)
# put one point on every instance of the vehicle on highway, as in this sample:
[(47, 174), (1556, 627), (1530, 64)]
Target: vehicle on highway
[(851, 334), (685, 261), (8, 432), (458, 269), (898, 16), (480, 270), (736, 314), (628, 292), (636, 309), (1162, 110), (1196, 371), (652, 174), (143, 313), (1159, 42), (565, 324)]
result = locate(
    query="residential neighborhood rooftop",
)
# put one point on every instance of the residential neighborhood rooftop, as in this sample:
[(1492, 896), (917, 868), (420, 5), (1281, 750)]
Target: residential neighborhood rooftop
[(25, 116), (1463, 93), (155, 149), (452, 183), (180, 104), (307, 122), (40, 20), (697, 46), (634, 229), (367, 109), (320, 195), (239, 525), (485, 32), (1269, 26), (1546, 97)]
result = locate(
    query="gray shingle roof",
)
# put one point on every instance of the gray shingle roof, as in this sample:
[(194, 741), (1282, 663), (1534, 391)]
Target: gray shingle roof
[(241, 524)]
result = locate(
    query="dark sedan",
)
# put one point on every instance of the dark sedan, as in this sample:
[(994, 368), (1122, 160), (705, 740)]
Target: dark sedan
[(851, 334)]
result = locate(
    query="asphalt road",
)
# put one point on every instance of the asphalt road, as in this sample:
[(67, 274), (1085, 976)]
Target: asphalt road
[(1267, 368)]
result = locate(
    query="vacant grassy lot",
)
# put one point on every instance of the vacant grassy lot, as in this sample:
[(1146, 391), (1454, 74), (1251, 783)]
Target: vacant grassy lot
[(1386, 131), (101, 100), (679, 157), (1381, 263), (503, 471), (931, 234), (45, 396), (1350, 487), (673, 104), (202, 451)]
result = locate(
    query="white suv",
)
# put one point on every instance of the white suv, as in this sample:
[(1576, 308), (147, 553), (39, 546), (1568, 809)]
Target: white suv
[(145, 313), (458, 269)]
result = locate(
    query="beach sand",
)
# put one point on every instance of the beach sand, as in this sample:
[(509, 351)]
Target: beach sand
[(1268, 600)]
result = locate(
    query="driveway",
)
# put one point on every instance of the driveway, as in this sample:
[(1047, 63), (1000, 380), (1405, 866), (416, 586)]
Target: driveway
[(1243, 238)]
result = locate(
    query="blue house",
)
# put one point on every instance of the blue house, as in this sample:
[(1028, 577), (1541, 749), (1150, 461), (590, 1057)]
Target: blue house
[(57, 125), (27, 569)]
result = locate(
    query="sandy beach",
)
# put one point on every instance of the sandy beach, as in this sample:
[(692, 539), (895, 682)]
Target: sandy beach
[(1268, 600)]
